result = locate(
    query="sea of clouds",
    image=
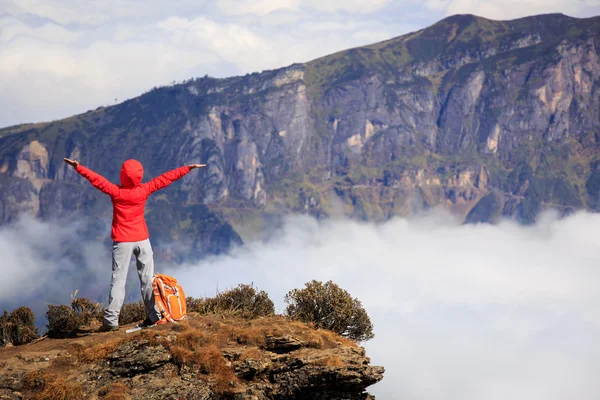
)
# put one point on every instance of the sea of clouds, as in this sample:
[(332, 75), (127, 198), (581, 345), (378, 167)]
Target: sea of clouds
[(459, 311)]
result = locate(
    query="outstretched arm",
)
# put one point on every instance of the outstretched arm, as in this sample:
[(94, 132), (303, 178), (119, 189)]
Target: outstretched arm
[(97, 180), (169, 177)]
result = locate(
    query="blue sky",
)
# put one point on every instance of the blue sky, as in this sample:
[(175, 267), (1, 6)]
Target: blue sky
[(59, 58)]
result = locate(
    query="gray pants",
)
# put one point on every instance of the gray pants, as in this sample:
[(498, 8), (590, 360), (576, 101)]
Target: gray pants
[(121, 257)]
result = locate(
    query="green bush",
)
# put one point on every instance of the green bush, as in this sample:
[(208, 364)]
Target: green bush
[(18, 327), (62, 321), (242, 301), (330, 307), (66, 321), (132, 312), (87, 311)]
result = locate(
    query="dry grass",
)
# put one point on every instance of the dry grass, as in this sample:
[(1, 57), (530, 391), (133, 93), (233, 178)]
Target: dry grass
[(181, 326), (60, 389), (180, 355), (333, 338), (253, 353), (199, 343), (279, 326), (33, 380), (63, 363), (251, 335), (96, 352), (202, 350), (330, 361), (116, 391), (44, 385), (211, 361)]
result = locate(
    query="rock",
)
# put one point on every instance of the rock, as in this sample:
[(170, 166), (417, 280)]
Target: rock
[(140, 369), (12, 382), (137, 357), (6, 394), (248, 369), (283, 344), (197, 390), (337, 373)]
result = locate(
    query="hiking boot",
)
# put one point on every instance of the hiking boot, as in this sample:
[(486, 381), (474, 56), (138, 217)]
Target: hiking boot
[(108, 328), (146, 324)]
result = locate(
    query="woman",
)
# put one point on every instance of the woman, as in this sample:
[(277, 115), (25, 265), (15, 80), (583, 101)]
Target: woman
[(130, 233)]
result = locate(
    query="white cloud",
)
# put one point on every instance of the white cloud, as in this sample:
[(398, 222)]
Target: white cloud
[(11, 28), (466, 312), (62, 57), (459, 311), (44, 80), (264, 7), (234, 43), (76, 11), (50, 71), (353, 6), (257, 7), (39, 268)]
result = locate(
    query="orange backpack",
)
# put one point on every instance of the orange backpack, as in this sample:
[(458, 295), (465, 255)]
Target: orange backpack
[(169, 298)]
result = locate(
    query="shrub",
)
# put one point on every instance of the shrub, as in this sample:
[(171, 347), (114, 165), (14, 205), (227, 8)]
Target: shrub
[(132, 312), (243, 301), (87, 311), (18, 327), (64, 320), (61, 320), (330, 307)]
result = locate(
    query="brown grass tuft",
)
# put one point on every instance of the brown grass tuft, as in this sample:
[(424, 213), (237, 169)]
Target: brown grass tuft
[(180, 355), (193, 338), (330, 361), (210, 360), (59, 388), (332, 338), (202, 349), (251, 335), (253, 353), (33, 380), (181, 326), (63, 363), (97, 352), (116, 391), (50, 386)]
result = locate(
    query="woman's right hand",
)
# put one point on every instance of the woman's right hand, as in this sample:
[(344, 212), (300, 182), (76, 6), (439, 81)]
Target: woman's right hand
[(72, 163), (192, 166)]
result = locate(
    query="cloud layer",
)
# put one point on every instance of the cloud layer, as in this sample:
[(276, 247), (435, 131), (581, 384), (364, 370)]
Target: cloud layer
[(470, 312), (59, 58), (460, 311)]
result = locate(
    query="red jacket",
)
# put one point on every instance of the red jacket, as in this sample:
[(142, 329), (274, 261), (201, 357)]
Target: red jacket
[(129, 198)]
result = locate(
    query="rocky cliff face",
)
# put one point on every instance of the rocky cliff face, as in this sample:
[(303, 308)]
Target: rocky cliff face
[(205, 358), (486, 118)]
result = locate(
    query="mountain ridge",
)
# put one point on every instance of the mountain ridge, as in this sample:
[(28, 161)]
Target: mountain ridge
[(449, 19), (487, 118)]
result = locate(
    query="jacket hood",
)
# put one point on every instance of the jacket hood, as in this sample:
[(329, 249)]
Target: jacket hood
[(132, 172)]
